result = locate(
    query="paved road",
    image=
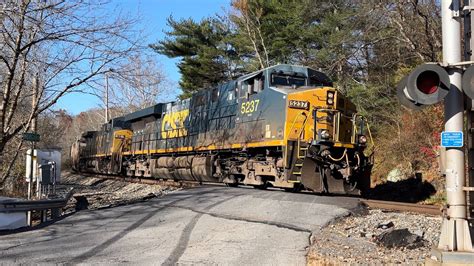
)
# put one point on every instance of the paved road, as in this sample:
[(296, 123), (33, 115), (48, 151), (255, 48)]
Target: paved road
[(205, 225)]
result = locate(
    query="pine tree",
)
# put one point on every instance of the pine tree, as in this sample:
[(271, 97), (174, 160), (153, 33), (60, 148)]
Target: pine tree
[(203, 51)]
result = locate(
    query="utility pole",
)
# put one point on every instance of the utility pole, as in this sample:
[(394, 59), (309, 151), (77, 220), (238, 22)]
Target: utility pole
[(34, 100), (107, 96), (455, 235)]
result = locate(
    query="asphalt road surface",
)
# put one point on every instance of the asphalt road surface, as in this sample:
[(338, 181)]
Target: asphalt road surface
[(204, 225)]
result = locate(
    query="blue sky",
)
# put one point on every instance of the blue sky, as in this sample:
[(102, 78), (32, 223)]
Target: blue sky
[(153, 14)]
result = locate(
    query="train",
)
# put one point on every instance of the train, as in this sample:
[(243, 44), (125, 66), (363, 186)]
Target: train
[(284, 126)]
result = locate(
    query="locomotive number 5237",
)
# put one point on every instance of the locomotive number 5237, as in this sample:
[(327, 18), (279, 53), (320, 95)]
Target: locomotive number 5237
[(249, 107)]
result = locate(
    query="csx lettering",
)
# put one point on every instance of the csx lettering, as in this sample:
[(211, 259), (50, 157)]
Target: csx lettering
[(172, 125), (249, 107)]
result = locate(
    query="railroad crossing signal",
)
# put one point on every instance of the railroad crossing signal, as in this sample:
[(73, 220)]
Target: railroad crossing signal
[(468, 82), (431, 83)]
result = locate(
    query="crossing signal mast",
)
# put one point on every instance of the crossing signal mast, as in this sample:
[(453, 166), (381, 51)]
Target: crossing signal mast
[(432, 83)]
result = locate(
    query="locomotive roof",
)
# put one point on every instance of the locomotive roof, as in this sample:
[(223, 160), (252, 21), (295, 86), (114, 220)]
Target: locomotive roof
[(155, 110), (284, 68), (158, 109)]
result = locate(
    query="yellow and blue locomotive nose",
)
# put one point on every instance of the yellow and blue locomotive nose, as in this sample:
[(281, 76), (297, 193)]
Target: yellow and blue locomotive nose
[(307, 106)]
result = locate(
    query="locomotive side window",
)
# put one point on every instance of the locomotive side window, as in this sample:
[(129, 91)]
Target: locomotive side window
[(252, 85), (231, 94), (242, 87), (259, 83), (215, 94)]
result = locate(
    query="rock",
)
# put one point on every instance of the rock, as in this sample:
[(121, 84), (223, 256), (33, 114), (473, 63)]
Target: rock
[(395, 175), (81, 203), (149, 196), (385, 225), (105, 206), (419, 233), (349, 227), (399, 238)]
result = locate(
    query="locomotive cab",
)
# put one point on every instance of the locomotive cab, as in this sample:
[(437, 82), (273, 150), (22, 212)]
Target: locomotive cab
[(322, 136), (325, 134)]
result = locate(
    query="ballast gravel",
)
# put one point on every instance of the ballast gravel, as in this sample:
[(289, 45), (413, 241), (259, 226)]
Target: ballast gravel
[(92, 192), (375, 237)]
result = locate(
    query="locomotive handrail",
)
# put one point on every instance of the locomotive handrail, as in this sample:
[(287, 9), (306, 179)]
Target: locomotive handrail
[(332, 110), (353, 119), (336, 127), (301, 132), (368, 129), (371, 139), (335, 130)]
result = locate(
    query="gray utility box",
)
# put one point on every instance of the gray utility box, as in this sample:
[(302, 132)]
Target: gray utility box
[(45, 162)]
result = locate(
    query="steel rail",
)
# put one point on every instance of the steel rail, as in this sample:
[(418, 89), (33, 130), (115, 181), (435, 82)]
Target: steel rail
[(403, 207)]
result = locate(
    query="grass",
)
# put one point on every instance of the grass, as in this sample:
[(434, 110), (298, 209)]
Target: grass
[(437, 199)]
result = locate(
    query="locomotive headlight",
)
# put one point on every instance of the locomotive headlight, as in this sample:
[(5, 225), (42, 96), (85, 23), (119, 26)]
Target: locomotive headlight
[(325, 134), (330, 97), (362, 139)]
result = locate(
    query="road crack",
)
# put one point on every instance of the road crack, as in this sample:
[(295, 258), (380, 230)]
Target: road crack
[(249, 220)]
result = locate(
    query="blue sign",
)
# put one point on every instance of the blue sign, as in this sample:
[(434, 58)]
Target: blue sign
[(452, 139)]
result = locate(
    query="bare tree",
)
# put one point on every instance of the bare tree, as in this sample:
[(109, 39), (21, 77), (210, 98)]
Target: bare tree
[(63, 45), (139, 83), (249, 19)]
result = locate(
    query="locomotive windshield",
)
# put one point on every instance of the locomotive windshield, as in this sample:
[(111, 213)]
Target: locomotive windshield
[(287, 80), (317, 78)]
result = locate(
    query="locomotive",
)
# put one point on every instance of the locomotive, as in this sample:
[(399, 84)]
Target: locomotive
[(283, 126)]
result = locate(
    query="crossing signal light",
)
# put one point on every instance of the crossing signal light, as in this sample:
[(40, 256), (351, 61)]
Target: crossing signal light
[(404, 98), (426, 84), (468, 82)]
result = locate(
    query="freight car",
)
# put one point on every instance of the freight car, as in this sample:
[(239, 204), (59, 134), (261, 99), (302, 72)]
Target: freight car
[(284, 126)]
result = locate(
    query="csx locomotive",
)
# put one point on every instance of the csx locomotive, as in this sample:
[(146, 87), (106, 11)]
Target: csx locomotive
[(284, 126)]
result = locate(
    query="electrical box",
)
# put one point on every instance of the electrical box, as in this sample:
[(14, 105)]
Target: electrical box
[(46, 165)]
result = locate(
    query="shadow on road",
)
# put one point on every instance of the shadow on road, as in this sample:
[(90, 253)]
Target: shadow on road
[(411, 190), (153, 210), (36, 227)]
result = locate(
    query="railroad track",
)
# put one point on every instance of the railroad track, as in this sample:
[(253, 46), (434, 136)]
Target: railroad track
[(374, 204), (149, 181), (403, 207)]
